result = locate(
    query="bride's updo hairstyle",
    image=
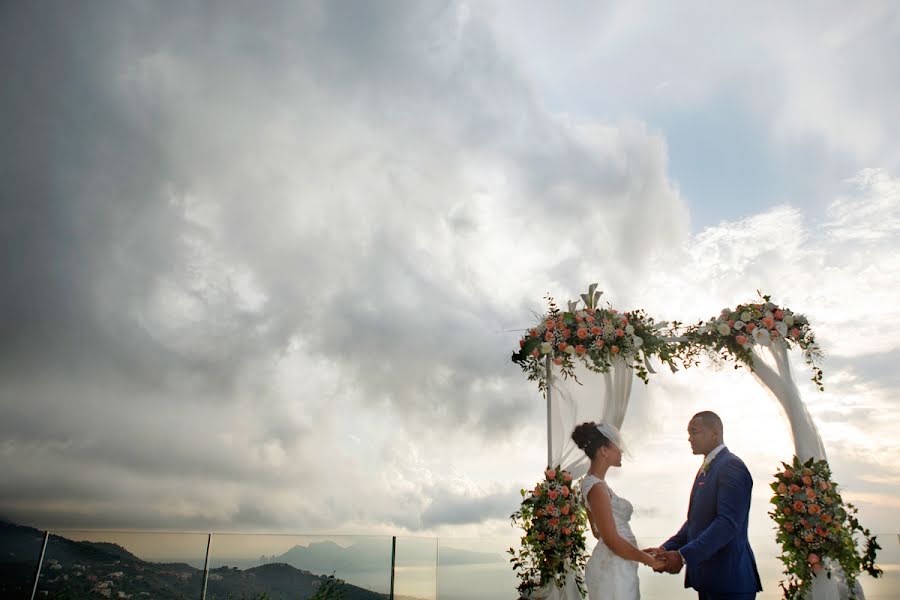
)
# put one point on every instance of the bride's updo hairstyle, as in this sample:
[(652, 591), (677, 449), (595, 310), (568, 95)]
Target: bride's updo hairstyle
[(587, 437)]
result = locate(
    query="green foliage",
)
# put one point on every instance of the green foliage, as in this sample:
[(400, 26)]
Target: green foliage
[(331, 589), (553, 519), (735, 333), (595, 336), (815, 524)]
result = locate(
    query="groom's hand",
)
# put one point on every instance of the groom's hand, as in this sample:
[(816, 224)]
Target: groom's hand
[(674, 562)]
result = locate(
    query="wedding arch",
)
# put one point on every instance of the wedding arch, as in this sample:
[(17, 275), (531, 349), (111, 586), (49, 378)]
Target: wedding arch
[(584, 361)]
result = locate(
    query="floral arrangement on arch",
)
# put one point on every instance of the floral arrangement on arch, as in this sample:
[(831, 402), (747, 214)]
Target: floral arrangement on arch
[(735, 333), (815, 524), (593, 335), (553, 519)]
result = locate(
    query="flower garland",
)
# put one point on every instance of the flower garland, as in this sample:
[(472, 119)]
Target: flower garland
[(735, 332), (553, 545), (593, 335), (814, 524)]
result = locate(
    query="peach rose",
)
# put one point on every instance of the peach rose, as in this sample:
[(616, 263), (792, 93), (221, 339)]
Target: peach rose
[(769, 322), (578, 318), (565, 491), (789, 527), (799, 506), (782, 488), (533, 333), (554, 522), (572, 518), (817, 568), (795, 333), (579, 349), (808, 538), (814, 509), (557, 361), (804, 523), (795, 488), (620, 333), (550, 473), (553, 494), (614, 349), (582, 333), (567, 332), (566, 531), (750, 327), (596, 330), (806, 479), (567, 476), (787, 510), (827, 518), (812, 559), (564, 510), (741, 339), (810, 493), (541, 536), (828, 500), (548, 337), (538, 491), (823, 485), (599, 343), (821, 531), (535, 354), (778, 314), (788, 473)]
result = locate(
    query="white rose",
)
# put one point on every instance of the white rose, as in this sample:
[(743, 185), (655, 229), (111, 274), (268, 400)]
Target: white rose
[(704, 329), (546, 347), (723, 328), (761, 336), (789, 319), (738, 325), (746, 316), (629, 329), (769, 315), (638, 342), (782, 328), (570, 349)]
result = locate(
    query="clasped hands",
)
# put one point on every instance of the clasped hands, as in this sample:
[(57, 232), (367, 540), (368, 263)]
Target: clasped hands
[(665, 561)]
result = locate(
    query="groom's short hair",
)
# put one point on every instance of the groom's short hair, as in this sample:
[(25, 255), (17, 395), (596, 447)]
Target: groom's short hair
[(711, 420)]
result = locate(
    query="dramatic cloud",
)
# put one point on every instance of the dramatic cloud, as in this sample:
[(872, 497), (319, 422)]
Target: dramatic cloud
[(265, 270)]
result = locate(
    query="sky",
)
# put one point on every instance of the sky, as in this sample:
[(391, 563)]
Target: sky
[(263, 270)]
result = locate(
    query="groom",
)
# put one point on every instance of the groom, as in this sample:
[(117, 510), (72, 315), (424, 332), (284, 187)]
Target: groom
[(713, 543)]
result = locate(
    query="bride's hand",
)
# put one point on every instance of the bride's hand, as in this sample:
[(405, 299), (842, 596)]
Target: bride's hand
[(657, 563)]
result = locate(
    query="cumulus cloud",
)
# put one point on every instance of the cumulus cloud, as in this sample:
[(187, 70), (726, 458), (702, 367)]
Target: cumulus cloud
[(268, 267), (242, 239)]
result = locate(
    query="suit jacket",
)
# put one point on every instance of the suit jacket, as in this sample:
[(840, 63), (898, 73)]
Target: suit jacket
[(713, 540)]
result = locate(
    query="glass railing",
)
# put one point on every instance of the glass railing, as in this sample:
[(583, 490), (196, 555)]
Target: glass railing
[(157, 565)]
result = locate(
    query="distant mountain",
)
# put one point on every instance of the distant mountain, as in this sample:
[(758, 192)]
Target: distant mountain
[(74, 569)]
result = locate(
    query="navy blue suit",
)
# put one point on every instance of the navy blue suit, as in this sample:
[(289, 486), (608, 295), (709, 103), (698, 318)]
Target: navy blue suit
[(719, 563)]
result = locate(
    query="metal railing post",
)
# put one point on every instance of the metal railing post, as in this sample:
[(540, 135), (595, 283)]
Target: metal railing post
[(37, 572), (393, 563), (206, 567)]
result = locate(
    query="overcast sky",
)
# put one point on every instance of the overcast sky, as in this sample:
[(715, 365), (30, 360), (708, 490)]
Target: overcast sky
[(260, 267)]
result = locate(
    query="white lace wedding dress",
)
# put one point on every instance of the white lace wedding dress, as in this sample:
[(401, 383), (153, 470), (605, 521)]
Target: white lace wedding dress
[(607, 575)]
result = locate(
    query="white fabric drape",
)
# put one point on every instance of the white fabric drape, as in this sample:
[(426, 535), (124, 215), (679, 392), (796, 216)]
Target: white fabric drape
[(600, 397), (772, 369)]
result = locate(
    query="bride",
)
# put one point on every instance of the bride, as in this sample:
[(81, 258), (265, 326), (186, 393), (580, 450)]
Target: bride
[(611, 572)]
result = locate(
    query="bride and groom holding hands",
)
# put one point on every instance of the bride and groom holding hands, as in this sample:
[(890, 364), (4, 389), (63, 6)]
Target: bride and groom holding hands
[(712, 545)]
